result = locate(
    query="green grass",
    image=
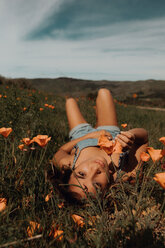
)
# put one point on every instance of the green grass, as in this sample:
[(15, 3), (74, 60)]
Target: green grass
[(129, 216)]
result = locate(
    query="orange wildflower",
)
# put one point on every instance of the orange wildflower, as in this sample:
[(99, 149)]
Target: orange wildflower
[(24, 109), (21, 147), (78, 220), (0, 95), (5, 131), (51, 106), (109, 146), (156, 154), (144, 156), (124, 125), (41, 140), (3, 203), (117, 147), (27, 141), (41, 109), (61, 205), (47, 198), (160, 178), (34, 226), (46, 105), (105, 144), (134, 95), (56, 233), (5, 96), (162, 139)]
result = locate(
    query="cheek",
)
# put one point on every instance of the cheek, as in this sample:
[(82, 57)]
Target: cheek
[(103, 179), (72, 180)]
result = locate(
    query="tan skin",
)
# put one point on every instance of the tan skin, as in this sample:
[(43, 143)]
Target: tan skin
[(93, 166)]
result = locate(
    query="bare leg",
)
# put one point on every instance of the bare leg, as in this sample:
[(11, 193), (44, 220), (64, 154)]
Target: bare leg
[(105, 109), (73, 113)]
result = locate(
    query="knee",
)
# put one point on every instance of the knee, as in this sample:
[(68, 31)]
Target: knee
[(70, 101), (103, 92)]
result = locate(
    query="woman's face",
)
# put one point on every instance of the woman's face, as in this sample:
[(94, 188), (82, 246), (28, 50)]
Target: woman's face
[(88, 176)]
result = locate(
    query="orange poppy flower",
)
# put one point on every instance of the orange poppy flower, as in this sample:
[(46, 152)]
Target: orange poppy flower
[(106, 144), (24, 109), (34, 226), (109, 146), (41, 109), (47, 198), (162, 139), (156, 154), (5, 131), (46, 105), (0, 96), (160, 178), (5, 96), (55, 232), (27, 141), (3, 203), (144, 156), (41, 140), (58, 233), (61, 205), (117, 147), (51, 106), (78, 220), (21, 147), (124, 125), (134, 95)]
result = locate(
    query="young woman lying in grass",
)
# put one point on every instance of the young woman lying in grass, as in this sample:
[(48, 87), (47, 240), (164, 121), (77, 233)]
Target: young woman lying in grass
[(91, 166)]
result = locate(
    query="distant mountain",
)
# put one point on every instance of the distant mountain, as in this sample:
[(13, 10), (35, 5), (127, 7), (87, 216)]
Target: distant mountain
[(148, 91)]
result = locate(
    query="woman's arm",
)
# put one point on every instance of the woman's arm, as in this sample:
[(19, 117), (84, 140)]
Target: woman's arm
[(63, 157), (136, 140)]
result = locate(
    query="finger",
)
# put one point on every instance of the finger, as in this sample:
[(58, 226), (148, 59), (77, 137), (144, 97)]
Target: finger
[(125, 139), (123, 143), (128, 134)]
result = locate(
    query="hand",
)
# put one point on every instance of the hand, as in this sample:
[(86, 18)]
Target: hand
[(126, 139)]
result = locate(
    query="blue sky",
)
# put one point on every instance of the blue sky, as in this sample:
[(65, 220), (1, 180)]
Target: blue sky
[(88, 39)]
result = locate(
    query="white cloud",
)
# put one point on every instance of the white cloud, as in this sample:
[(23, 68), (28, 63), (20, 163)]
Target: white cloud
[(132, 50)]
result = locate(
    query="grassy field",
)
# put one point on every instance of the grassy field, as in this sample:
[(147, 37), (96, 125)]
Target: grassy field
[(35, 215)]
